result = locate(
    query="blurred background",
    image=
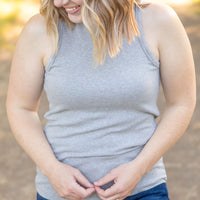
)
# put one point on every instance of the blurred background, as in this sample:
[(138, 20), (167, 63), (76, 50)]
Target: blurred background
[(17, 170)]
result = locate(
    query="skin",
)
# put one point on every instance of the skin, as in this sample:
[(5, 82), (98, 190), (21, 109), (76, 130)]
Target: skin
[(168, 42), (76, 17)]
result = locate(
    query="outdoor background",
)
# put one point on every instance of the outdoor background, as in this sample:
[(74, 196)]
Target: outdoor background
[(17, 170)]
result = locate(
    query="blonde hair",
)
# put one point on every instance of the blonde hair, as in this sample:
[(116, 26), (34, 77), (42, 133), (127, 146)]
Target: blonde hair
[(106, 20)]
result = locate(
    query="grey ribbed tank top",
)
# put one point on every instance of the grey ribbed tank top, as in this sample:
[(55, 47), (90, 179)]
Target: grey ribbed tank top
[(100, 118)]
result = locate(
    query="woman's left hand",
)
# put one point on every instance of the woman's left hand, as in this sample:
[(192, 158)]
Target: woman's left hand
[(125, 177)]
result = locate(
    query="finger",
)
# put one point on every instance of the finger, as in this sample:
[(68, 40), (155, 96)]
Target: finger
[(90, 191), (99, 191), (113, 190), (106, 179), (119, 196), (83, 180), (82, 192)]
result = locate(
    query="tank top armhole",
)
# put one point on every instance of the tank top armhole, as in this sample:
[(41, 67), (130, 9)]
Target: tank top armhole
[(53, 56), (142, 40)]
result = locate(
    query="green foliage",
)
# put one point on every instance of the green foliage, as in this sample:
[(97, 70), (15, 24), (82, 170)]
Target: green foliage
[(197, 6), (197, 1), (13, 15), (4, 24)]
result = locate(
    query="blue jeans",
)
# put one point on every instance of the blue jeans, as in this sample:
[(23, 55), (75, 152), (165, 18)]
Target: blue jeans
[(40, 197), (159, 192)]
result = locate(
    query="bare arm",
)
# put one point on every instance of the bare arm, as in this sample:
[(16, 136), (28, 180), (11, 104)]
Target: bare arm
[(178, 81), (23, 97), (24, 91), (179, 86)]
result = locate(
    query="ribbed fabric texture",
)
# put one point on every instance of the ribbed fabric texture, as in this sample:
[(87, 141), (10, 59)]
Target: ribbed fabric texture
[(100, 118)]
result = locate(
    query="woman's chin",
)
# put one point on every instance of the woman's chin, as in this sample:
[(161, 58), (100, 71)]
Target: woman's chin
[(75, 19)]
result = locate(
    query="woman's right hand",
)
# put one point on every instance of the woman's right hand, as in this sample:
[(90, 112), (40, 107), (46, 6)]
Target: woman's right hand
[(63, 179)]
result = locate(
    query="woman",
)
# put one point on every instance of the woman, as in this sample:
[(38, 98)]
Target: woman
[(101, 140)]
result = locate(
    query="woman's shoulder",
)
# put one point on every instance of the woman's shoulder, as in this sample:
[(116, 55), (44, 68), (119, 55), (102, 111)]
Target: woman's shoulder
[(35, 32), (161, 21), (160, 14), (35, 26), (158, 9)]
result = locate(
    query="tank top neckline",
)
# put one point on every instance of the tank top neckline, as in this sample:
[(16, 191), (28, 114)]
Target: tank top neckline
[(138, 16), (62, 27)]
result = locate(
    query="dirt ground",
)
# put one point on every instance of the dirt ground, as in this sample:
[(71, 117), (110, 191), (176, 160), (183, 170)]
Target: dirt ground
[(17, 170)]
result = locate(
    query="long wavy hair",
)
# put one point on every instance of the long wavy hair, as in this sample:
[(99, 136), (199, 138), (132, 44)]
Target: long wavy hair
[(106, 20)]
